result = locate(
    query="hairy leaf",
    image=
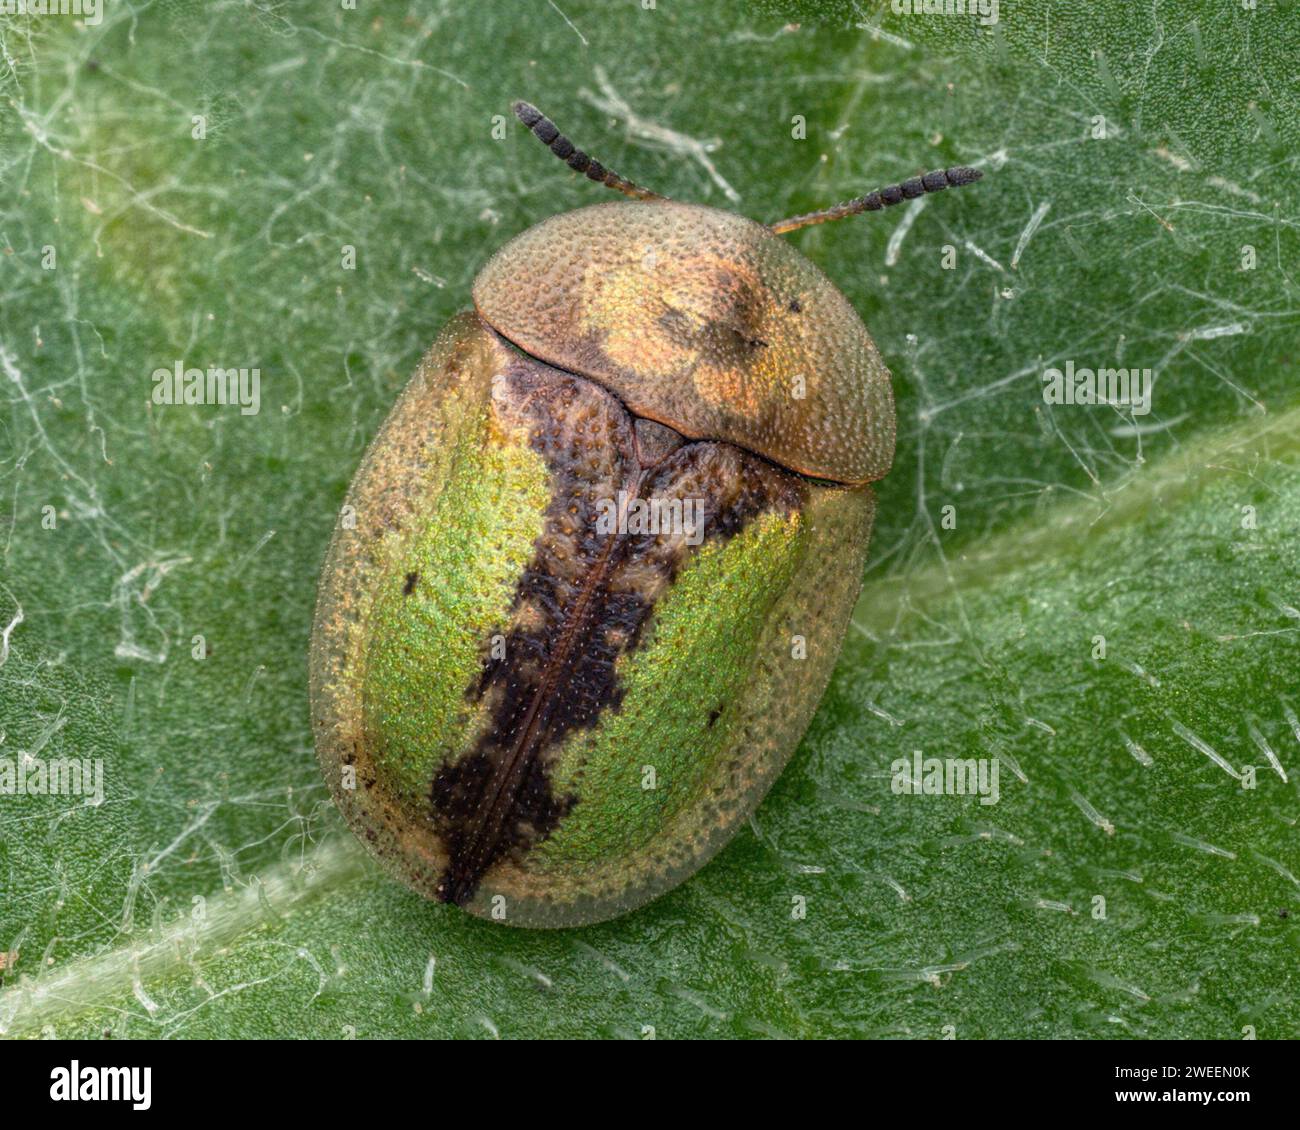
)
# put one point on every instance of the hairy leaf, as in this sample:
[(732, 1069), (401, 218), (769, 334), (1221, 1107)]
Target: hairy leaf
[(1103, 600)]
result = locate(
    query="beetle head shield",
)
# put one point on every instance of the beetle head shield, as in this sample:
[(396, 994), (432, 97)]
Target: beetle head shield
[(702, 320)]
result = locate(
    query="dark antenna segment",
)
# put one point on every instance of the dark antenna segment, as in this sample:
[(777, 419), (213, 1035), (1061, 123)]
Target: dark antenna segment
[(549, 135), (882, 197)]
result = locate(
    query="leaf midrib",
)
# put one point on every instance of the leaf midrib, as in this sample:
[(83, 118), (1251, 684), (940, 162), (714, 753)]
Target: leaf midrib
[(87, 982)]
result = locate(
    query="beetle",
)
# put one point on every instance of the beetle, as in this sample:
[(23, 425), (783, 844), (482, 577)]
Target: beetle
[(591, 578)]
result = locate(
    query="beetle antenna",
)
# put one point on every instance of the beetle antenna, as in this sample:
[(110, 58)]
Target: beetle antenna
[(890, 194), (549, 135)]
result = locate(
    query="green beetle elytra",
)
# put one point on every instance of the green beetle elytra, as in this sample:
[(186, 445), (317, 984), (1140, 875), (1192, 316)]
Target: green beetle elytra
[(596, 567)]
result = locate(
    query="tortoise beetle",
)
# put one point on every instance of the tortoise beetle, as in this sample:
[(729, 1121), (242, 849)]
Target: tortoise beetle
[(595, 569)]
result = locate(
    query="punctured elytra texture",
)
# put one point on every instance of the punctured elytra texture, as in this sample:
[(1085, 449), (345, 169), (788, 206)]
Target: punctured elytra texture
[(515, 782)]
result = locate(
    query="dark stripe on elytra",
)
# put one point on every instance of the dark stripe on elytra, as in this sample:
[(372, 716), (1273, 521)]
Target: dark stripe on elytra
[(560, 676)]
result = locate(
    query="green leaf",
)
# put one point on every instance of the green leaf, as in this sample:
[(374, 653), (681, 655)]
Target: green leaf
[(1138, 873)]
